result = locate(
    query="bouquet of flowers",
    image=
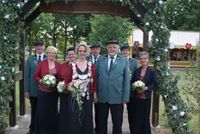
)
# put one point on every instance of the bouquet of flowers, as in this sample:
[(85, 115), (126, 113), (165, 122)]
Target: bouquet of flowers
[(49, 80), (76, 87), (61, 86), (138, 85)]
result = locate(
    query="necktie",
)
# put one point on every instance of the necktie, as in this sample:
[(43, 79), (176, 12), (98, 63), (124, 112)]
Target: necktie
[(95, 60), (111, 63), (39, 58)]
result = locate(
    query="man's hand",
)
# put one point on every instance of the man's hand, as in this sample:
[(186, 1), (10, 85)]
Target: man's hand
[(26, 94)]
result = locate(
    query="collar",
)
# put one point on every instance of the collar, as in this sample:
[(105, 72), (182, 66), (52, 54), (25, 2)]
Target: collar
[(115, 56)]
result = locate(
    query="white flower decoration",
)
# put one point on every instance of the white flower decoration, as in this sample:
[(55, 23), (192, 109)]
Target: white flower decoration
[(182, 113), (7, 16), (174, 108), (3, 78)]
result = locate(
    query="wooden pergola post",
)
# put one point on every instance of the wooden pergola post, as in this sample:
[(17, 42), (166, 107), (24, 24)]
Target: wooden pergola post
[(22, 106), (12, 115)]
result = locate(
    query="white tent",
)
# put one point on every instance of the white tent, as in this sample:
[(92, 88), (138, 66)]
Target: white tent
[(177, 38)]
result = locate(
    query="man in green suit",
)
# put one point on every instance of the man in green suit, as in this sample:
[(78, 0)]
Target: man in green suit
[(113, 87), (30, 86)]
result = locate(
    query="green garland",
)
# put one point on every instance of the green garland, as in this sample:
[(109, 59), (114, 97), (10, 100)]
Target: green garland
[(176, 110), (9, 38)]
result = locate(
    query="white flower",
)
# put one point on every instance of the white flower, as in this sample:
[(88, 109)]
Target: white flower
[(61, 86), (49, 80), (7, 16), (165, 96), (174, 108), (138, 85), (0, 67), (158, 59), (166, 50), (182, 113), (184, 124), (4, 37), (13, 69), (160, 2), (157, 39), (147, 24), (3, 78), (83, 94)]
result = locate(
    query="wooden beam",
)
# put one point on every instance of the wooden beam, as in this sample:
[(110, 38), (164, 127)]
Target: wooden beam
[(32, 16), (22, 106), (89, 6), (28, 6)]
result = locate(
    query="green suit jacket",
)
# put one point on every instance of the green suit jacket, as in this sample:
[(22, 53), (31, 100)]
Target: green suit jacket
[(113, 87), (29, 83)]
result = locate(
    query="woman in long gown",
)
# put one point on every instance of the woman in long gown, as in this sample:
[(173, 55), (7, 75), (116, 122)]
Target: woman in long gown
[(73, 119)]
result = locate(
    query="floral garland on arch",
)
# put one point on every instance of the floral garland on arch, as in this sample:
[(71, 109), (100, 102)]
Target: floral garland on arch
[(10, 26), (175, 108)]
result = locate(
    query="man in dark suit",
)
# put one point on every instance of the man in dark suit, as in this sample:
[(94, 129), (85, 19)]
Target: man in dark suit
[(95, 52), (125, 50), (30, 86), (113, 87), (93, 57)]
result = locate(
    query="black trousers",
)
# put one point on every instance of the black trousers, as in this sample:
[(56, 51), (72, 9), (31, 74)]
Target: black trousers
[(96, 110), (116, 114), (139, 114), (47, 113), (33, 102)]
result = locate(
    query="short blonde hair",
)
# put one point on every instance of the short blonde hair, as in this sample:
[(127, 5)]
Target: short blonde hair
[(84, 44), (49, 48), (143, 53)]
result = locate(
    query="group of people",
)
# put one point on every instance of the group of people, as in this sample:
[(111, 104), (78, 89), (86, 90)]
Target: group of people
[(107, 81)]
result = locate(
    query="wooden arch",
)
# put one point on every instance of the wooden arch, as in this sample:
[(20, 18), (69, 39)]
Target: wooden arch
[(33, 8)]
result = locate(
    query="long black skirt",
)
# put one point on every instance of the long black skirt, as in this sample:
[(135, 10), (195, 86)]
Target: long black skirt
[(47, 113), (71, 119), (140, 123)]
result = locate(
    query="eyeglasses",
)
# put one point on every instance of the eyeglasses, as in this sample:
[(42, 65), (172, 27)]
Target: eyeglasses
[(143, 58), (81, 50)]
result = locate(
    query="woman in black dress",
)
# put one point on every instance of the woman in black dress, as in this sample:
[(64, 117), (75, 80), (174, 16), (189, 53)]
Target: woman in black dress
[(141, 100), (73, 120)]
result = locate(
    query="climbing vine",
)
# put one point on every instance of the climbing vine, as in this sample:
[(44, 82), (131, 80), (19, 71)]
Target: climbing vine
[(9, 38)]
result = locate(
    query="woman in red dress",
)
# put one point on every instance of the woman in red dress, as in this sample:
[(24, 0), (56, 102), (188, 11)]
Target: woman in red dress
[(47, 96), (74, 120)]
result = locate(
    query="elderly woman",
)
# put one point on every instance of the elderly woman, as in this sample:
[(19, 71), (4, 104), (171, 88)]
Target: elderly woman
[(47, 95), (141, 101), (78, 118)]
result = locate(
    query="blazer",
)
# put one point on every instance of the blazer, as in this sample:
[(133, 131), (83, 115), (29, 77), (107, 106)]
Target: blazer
[(149, 80), (66, 73), (30, 84), (132, 64), (43, 69), (89, 58), (113, 87)]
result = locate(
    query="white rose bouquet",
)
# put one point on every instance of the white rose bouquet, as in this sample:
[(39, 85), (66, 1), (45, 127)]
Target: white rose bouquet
[(49, 80), (138, 85), (61, 86)]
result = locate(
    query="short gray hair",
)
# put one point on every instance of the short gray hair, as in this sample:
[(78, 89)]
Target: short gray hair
[(144, 53)]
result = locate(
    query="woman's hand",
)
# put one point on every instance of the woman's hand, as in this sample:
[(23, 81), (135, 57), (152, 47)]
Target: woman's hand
[(144, 89)]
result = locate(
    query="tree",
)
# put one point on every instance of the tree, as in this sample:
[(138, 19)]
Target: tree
[(106, 27), (183, 15)]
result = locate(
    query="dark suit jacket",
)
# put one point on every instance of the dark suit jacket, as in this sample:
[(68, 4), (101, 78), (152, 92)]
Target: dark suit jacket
[(149, 80), (43, 69), (30, 85)]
